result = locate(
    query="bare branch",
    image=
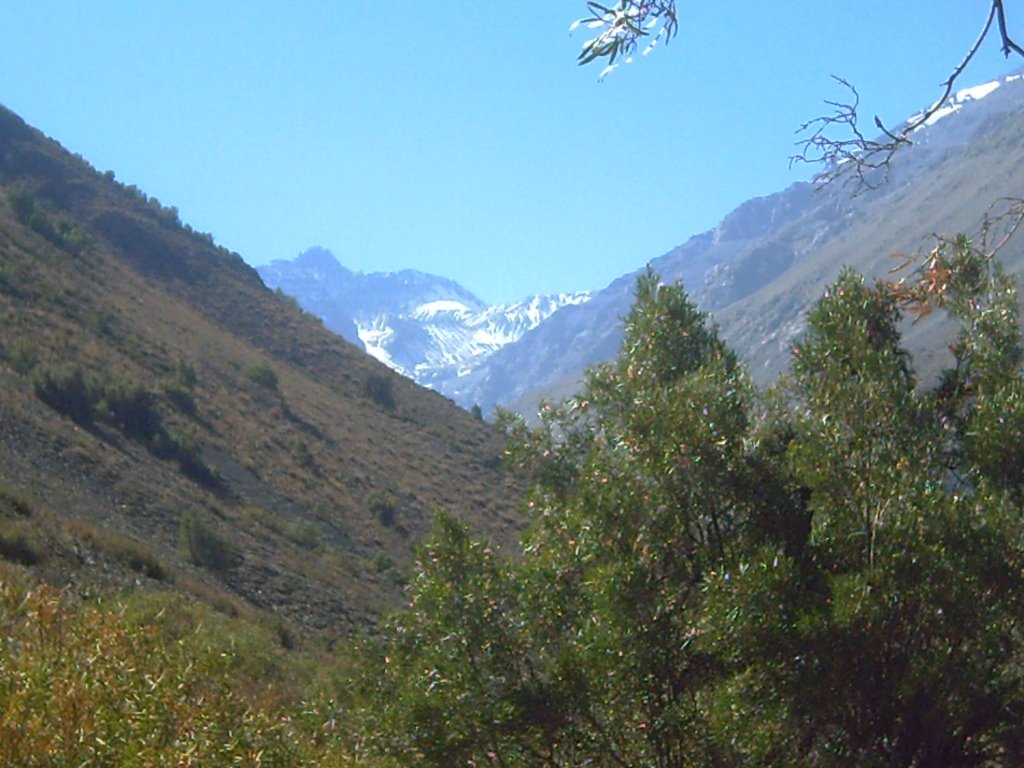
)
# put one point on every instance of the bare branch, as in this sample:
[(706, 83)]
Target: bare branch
[(867, 162), (854, 156), (1002, 220), (1009, 46)]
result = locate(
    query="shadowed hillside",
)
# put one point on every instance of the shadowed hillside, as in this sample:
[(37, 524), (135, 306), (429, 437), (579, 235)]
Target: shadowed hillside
[(165, 418)]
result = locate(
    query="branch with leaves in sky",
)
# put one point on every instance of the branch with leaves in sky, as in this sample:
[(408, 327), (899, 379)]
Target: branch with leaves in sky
[(622, 27)]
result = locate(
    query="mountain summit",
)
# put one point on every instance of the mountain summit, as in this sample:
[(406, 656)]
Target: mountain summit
[(424, 326)]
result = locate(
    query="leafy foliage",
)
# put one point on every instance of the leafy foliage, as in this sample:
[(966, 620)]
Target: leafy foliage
[(66, 390), (63, 233), (384, 508), (823, 574), (262, 375), (380, 388), (622, 26), (149, 682), (89, 399)]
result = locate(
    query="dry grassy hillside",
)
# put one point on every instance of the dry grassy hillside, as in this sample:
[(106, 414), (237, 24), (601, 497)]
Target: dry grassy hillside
[(166, 419)]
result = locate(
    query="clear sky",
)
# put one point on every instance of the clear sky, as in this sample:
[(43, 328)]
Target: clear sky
[(458, 136)]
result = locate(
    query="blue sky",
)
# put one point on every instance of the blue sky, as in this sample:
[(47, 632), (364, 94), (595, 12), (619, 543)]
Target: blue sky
[(460, 137)]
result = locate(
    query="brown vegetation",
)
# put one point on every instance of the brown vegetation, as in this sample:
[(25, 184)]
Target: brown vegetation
[(147, 377)]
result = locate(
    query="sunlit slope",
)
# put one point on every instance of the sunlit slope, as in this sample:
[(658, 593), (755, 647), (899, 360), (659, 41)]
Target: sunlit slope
[(159, 405)]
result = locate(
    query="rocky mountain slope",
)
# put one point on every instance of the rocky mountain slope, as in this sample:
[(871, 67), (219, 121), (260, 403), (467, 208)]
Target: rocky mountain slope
[(166, 421), (763, 266), (426, 327)]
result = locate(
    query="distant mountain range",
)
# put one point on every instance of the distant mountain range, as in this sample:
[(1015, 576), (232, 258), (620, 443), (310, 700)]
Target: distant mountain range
[(426, 327), (758, 271)]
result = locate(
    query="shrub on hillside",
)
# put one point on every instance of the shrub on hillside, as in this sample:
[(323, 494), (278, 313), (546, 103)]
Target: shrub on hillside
[(380, 388), (262, 375), (64, 234), (181, 398), (138, 556), (203, 545), (66, 389), (132, 410), (179, 389), (20, 542), (129, 408), (383, 507), (13, 504), (22, 355)]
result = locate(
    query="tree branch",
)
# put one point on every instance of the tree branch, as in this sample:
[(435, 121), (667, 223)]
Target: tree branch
[(868, 162), (622, 26)]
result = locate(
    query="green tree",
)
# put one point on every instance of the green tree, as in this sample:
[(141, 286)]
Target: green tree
[(824, 574), (455, 674), (888, 640), (585, 650)]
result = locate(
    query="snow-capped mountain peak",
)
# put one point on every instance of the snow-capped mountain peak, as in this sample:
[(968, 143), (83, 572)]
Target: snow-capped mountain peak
[(440, 307), (424, 326)]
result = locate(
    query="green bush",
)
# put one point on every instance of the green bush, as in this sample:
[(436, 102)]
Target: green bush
[(12, 504), (306, 535), (22, 203), (203, 545), (380, 388), (262, 375), (23, 356), (383, 507), (150, 681), (179, 388), (138, 556), (66, 389), (20, 542), (300, 451), (180, 397), (64, 234), (132, 410)]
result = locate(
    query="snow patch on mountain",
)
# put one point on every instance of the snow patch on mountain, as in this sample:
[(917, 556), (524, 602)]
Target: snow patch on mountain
[(453, 338), (964, 96), (424, 326), (434, 308)]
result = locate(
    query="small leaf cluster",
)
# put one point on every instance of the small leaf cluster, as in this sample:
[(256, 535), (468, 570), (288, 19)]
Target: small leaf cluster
[(622, 26)]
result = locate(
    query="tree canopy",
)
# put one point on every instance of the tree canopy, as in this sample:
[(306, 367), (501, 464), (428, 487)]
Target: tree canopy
[(826, 573)]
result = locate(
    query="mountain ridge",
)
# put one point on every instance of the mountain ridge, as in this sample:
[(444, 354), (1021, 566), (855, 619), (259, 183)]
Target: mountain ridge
[(763, 265)]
